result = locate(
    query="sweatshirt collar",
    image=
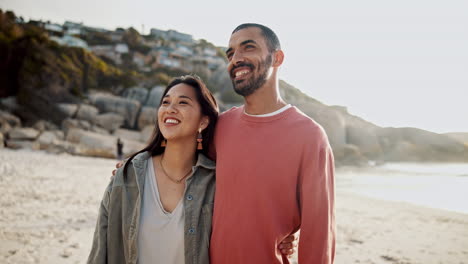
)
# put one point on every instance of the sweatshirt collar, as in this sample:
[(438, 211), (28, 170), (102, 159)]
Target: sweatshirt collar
[(266, 119)]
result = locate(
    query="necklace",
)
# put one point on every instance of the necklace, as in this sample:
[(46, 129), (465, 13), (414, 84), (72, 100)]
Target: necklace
[(169, 177)]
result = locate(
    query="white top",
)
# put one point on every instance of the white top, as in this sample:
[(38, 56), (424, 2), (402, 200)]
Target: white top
[(282, 109), (161, 234)]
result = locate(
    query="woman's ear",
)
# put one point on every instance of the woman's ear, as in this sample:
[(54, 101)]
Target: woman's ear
[(204, 122)]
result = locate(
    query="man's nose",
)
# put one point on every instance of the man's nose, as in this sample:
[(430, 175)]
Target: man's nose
[(237, 58)]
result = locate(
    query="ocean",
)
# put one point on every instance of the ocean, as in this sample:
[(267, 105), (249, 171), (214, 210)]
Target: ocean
[(435, 185)]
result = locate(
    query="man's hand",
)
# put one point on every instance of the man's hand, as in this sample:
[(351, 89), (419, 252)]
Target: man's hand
[(288, 245), (118, 165)]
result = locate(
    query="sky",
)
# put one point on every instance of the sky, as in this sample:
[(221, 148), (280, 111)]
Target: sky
[(399, 63)]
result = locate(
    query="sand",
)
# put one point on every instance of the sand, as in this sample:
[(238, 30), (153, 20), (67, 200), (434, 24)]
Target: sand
[(48, 208)]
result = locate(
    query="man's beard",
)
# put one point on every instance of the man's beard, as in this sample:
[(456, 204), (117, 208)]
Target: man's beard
[(249, 86)]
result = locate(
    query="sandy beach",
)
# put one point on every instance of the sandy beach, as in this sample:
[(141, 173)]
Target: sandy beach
[(49, 207)]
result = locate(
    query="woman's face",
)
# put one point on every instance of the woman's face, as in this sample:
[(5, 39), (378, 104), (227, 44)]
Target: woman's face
[(179, 116)]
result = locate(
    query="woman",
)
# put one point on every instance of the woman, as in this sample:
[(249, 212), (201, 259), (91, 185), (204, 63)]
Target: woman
[(158, 207)]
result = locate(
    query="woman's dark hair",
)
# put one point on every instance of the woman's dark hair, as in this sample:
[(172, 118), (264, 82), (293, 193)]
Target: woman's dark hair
[(209, 108)]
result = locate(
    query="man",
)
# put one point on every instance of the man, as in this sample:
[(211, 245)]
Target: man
[(275, 171)]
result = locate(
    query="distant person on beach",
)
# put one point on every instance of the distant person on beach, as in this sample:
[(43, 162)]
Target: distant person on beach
[(158, 207), (119, 149)]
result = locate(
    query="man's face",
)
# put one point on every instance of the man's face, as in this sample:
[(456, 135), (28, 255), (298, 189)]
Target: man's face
[(249, 60)]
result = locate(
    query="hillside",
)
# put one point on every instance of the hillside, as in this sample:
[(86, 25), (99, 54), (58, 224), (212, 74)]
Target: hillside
[(111, 88)]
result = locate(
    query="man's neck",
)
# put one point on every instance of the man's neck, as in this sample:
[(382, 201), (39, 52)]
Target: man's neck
[(264, 100)]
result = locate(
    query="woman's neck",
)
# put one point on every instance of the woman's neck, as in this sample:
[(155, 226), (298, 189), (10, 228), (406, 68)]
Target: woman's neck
[(178, 158)]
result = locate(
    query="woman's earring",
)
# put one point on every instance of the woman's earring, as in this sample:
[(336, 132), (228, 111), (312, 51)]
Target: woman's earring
[(163, 143), (199, 140)]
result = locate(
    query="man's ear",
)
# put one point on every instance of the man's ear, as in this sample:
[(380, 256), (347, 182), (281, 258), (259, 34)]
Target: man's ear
[(278, 58)]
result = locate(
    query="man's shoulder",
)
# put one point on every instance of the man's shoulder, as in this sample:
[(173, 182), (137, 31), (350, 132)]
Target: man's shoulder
[(304, 121), (234, 111), (307, 126)]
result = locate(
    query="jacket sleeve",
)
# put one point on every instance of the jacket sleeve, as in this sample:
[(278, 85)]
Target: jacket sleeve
[(317, 202), (98, 253)]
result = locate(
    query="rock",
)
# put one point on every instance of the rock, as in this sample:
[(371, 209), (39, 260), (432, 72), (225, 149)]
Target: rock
[(146, 133), (99, 130), (128, 108), (412, 144), (98, 145), (22, 144), (42, 125), (349, 155), (87, 112), (18, 133), (60, 146), (46, 139), (11, 119), (5, 127), (59, 134), (136, 93), (69, 123), (9, 103), (155, 96), (460, 136), (366, 139), (330, 119), (109, 121), (147, 117), (68, 109), (127, 134)]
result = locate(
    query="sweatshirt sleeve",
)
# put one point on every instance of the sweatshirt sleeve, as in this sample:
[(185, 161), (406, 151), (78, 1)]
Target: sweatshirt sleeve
[(317, 203)]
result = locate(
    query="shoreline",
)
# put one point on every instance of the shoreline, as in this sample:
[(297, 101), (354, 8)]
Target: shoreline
[(49, 205)]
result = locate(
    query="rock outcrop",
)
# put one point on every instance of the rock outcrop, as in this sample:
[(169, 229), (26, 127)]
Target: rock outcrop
[(127, 108)]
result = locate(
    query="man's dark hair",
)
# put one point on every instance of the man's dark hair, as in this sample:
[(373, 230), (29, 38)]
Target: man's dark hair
[(270, 36)]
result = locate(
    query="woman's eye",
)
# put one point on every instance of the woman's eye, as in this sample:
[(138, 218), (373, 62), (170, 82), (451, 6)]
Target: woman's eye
[(183, 102), (164, 102)]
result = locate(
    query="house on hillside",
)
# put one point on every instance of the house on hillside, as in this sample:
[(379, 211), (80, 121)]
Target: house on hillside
[(116, 36), (172, 35), (72, 28), (53, 28), (70, 41), (175, 35), (165, 56), (113, 52)]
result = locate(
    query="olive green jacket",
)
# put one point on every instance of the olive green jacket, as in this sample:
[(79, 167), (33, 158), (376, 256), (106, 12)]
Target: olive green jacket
[(115, 237)]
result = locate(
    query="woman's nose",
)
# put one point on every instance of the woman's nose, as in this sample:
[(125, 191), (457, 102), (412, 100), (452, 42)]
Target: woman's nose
[(171, 108)]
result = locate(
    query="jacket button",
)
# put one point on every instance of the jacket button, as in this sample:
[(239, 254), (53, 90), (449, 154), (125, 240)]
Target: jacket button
[(189, 197), (191, 231)]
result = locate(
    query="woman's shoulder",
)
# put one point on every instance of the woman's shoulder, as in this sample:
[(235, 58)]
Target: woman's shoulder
[(205, 162), (131, 168)]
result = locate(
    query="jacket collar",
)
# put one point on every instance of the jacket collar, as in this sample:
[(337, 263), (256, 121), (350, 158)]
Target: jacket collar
[(202, 161)]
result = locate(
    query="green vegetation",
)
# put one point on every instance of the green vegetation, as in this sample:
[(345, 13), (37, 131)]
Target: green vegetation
[(30, 61), (33, 62)]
